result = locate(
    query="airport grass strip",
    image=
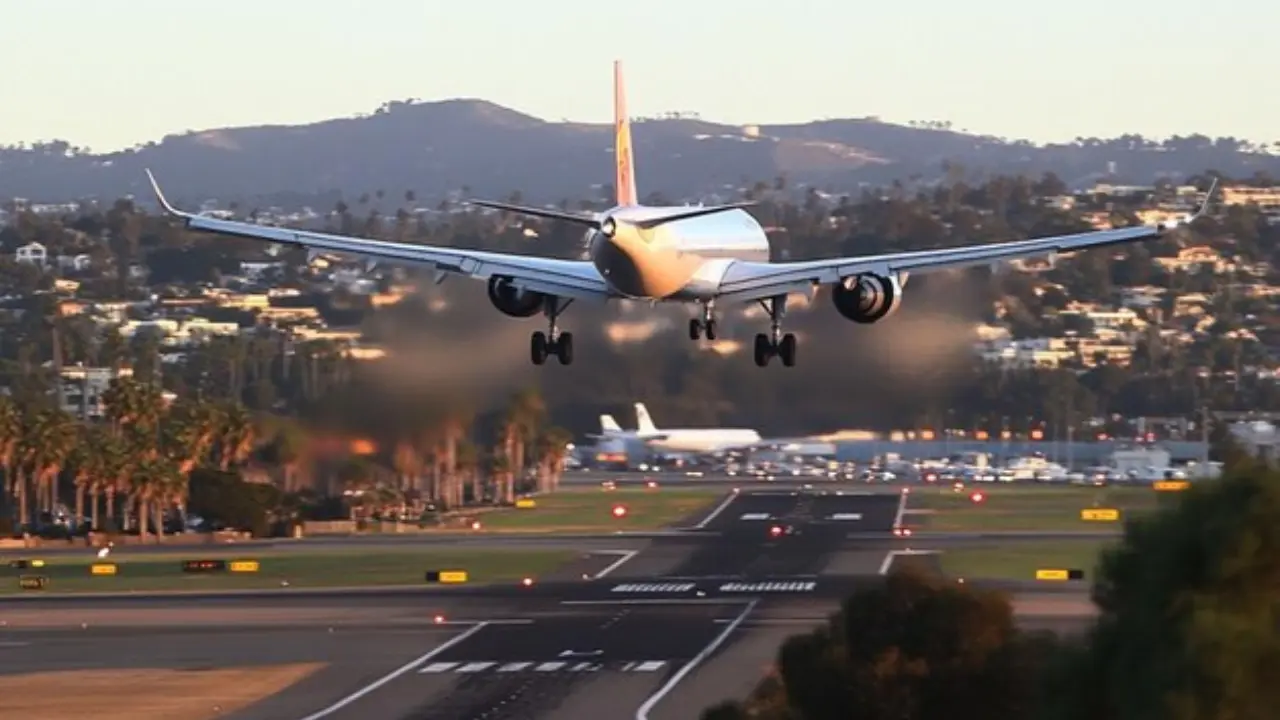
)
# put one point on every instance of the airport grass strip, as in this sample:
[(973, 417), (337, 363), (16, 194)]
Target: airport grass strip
[(1005, 507), (1021, 560), (301, 568), (592, 511)]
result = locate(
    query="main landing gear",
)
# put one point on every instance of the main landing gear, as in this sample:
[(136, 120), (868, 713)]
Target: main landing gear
[(706, 323), (552, 342), (775, 343)]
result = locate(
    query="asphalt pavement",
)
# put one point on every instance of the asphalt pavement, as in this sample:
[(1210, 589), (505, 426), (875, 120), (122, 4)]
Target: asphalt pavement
[(652, 630)]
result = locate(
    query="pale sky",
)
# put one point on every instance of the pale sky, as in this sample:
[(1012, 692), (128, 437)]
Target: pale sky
[(112, 73)]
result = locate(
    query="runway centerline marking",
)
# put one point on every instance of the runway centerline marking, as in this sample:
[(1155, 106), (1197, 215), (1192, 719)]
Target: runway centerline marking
[(716, 642), (715, 512), (626, 555), (902, 509), (407, 667)]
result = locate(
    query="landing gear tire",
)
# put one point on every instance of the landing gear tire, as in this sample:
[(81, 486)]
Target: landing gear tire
[(539, 348), (787, 350), (695, 329), (763, 350), (710, 326), (564, 348), (775, 342), (554, 342)]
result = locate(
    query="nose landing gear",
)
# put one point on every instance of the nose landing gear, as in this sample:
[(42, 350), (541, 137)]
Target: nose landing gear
[(707, 323)]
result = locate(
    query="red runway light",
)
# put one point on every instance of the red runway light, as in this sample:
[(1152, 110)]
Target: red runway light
[(527, 582), (619, 511), (977, 497), (438, 619), (775, 531)]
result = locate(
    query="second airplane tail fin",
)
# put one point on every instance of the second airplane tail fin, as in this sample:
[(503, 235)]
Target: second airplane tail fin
[(625, 171), (644, 423), (608, 424)]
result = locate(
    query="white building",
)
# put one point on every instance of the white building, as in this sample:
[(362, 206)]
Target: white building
[(32, 254)]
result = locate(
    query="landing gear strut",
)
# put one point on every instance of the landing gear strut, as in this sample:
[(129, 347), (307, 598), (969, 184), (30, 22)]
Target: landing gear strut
[(775, 343), (552, 342), (706, 323)]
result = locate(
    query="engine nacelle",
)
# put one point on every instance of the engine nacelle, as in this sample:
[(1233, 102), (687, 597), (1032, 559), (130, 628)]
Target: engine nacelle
[(510, 300), (866, 299)]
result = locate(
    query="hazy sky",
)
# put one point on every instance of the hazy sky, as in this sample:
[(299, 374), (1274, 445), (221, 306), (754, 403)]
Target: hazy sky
[(110, 74)]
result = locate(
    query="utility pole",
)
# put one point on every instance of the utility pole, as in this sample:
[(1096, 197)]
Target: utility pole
[(1204, 435), (1070, 429)]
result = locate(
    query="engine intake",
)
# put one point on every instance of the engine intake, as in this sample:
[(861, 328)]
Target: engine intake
[(866, 299), (512, 301)]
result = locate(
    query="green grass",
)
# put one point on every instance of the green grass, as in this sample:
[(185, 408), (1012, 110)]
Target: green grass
[(299, 568), (1020, 561), (1026, 508), (591, 511)]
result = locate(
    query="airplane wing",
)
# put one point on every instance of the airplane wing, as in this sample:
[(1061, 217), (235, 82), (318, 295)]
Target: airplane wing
[(748, 281), (574, 279)]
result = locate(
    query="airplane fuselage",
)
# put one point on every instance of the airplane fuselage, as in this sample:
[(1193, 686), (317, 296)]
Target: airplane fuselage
[(683, 260), (690, 440)]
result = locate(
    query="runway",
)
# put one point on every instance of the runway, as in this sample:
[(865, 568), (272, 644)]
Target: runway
[(687, 620)]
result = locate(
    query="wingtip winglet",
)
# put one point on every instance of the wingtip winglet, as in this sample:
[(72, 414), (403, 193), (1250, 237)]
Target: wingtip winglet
[(160, 198), (1208, 197)]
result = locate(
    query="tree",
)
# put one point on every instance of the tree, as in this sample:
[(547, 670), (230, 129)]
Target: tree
[(1187, 604), (916, 646)]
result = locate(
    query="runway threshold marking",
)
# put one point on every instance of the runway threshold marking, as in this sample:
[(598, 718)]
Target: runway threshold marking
[(533, 666), (643, 712), (626, 555), (715, 512), (407, 667)]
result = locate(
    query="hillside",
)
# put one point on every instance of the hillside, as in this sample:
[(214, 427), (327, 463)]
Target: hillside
[(438, 147)]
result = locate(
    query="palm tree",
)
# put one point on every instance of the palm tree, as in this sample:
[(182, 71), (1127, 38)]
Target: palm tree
[(149, 482), (10, 437), (525, 413), (53, 436), (552, 449), (236, 437)]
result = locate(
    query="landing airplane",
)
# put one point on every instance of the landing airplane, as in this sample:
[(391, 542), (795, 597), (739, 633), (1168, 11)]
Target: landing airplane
[(706, 256)]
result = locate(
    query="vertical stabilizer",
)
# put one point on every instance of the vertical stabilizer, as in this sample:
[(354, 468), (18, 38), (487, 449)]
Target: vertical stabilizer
[(624, 181), (608, 424), (644, 423)]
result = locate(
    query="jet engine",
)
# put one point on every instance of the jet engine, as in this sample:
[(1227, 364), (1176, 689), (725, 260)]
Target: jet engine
[(512, 301), (866, 299)]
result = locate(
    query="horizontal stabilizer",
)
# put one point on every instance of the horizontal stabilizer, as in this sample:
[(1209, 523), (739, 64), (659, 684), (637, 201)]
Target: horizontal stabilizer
[(589, 221), (687, 214)]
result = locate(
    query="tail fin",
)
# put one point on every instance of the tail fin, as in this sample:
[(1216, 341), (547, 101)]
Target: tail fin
[(625, 170), (644, 423), (608, 424)]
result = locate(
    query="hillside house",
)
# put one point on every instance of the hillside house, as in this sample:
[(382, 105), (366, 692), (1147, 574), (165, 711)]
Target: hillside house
[(32, 254)]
